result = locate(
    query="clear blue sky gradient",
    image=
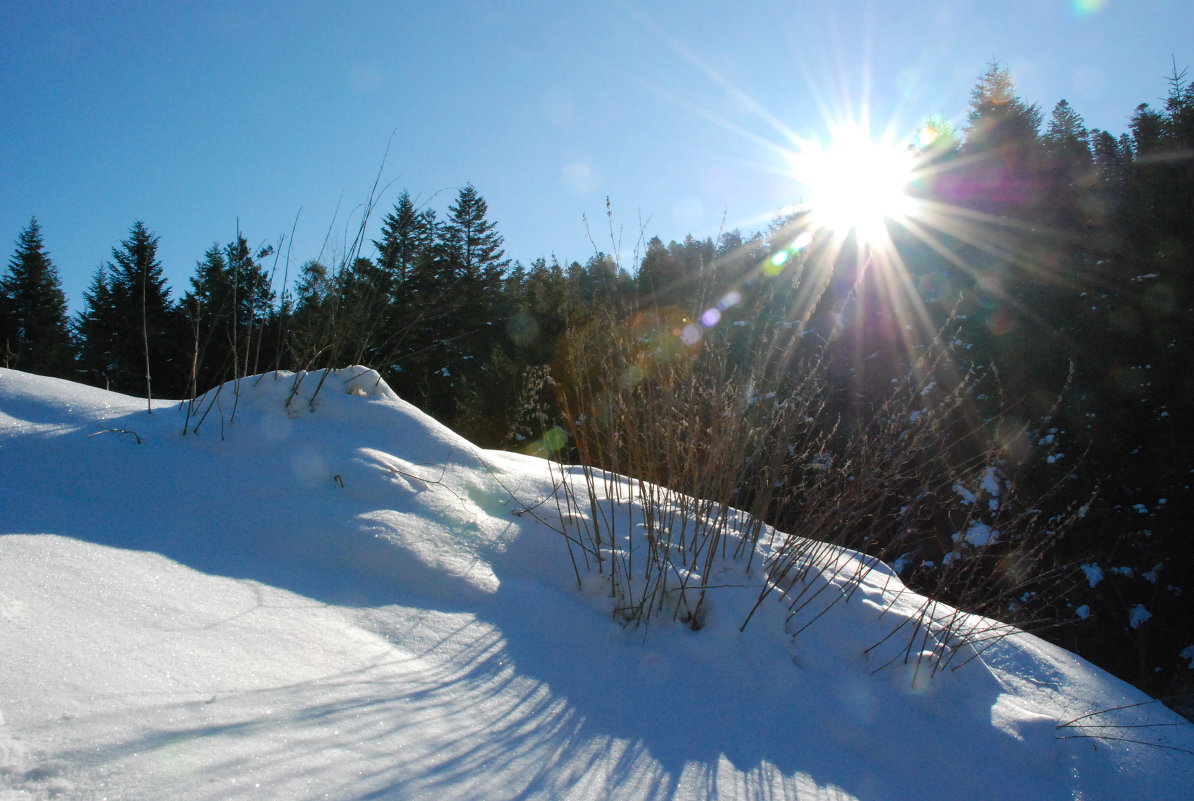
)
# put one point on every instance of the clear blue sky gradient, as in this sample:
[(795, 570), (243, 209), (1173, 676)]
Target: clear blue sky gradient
[(193, 116)]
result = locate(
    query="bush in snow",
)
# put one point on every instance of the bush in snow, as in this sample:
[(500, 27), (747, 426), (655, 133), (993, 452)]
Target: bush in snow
[(714, 442)]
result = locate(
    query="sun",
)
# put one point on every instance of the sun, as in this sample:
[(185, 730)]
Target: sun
[(856, 184)]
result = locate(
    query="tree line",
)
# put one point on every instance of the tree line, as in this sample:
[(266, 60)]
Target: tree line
[(1055, 268)]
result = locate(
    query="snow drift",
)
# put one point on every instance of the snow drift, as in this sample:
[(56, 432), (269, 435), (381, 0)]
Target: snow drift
[(319, 592)]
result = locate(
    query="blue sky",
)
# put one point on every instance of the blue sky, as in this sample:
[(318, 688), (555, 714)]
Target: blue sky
[(196, 116)]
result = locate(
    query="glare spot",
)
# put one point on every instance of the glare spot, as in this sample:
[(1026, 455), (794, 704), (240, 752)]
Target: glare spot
[(1087, 8), (580, 177), (522, 328), (632, 377), (555, 438), (729, 300), (927, 136)]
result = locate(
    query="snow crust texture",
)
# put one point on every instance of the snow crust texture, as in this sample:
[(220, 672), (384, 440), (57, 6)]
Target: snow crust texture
[(317, 591)]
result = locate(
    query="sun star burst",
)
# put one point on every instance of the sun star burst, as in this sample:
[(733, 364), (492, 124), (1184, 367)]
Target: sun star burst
[(856, 185)]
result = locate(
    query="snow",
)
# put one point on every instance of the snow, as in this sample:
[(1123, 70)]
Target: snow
[(1138, 615), (901, 563), (1094, 574), (978, 535), (991, 482), (332, 596)]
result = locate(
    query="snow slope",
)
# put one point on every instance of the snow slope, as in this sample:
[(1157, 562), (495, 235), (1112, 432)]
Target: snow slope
[(336, 597)]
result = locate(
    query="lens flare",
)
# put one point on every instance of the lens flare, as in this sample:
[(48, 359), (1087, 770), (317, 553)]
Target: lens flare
[(856, 184), (729, 300), (1087, 8), (927, 136)]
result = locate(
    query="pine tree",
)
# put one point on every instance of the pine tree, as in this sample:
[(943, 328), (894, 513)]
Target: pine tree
[(1070, 176), (548, 307), (146, 353), (406, 236), (363, 302), (659, 273), (453, 294), (36, 335), (1178, 127), (471, 242), (1150, 173), (998, 117), (1001, 145), (1066, 135), (226, 310), (603, 286), (1112, 160), (311, 324), (96, 330)]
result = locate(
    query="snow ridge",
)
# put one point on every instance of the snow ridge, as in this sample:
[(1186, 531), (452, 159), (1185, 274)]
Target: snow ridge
[(299, 586)]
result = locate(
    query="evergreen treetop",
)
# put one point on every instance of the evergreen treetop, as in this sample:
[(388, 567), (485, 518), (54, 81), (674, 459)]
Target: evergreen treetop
[(407, 235), (471, 241), (35, 334), (148, 343), (97, 328), (998, 117)]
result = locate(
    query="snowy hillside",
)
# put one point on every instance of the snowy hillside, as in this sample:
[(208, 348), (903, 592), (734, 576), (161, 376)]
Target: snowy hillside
[(326, 594)]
